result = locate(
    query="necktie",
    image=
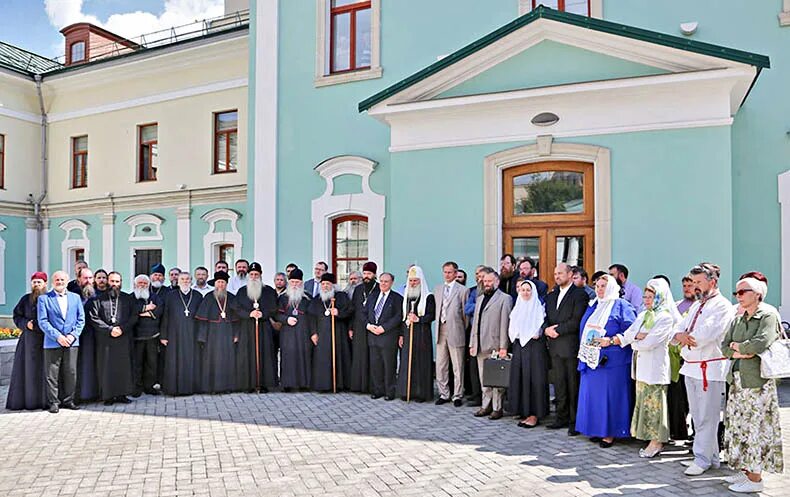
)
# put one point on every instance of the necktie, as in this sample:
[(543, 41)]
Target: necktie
[(379, 307), (445, 302)]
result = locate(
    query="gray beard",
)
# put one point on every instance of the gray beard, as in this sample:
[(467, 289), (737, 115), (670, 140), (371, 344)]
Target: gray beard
[(88, 292), (350, 289), (328, 295), (220, 294), (413, 292), (185, 289), (480, 288), (156, 284), (142, 293), (114, 292), (254, 289), (295, 295)]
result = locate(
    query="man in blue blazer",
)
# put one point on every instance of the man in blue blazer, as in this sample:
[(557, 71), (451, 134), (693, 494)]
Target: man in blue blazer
[(61, 317), (384, 323)]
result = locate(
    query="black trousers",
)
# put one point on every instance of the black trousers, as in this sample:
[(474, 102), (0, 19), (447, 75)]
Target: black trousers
[(146, 363), (61, 367), (566, 388), (383, 366)]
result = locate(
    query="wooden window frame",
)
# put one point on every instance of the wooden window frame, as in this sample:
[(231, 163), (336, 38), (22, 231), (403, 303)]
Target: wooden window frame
[(227, 133), (335, 222), (82, 181), (84, 51), (140, 145), (561, 5), (2, 161), (352, 10)]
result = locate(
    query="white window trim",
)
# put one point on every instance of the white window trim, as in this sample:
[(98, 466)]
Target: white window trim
[(322, 76), (68, 244), (138, 219), (596, 8), (784, 16), (546, 150), (328, 206), (3, 227), (212, 238), (784, 204)]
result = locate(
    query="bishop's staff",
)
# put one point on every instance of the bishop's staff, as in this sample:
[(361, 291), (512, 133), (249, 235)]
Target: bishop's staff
[(257, 352), (334, 359), (411, 346)]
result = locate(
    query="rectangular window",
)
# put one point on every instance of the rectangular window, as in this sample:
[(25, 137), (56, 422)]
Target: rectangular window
[(77, 51), (148, 153), (350, 35), (581, 7), (2, 161), (349, 245), (79, 162), (226, 141)]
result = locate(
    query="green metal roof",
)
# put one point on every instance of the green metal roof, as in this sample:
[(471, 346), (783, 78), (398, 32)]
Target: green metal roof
[(22, 61), (759, 61)]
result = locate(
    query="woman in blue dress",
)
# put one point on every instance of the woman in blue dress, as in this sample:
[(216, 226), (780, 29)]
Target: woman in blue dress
[(605, 392)]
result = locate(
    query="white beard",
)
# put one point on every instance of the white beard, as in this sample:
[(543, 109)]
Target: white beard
[(142, 293), (412, 292), (294, 295), (185, 289), (254, 289), (328, 295), (156, 284), (88, 291)]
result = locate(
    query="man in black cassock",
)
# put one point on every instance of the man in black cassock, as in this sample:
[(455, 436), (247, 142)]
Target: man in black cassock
[(365, 292), (295, 345), (328, 306), (87, 383), (150, 308), (74, 285), (218, 335), (158, 286), (419, 310), (113, 316), (178, 336), (27, 388), (254, 304)]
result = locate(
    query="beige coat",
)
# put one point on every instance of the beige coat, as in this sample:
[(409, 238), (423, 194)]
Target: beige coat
[(455, 321), (494, 323)]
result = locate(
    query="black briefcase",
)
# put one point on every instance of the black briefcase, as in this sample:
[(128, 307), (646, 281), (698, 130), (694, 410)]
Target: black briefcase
[(496, 372)]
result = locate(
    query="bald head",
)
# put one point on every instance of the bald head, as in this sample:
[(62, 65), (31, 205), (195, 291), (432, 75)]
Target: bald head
[(59, 281), (563, 274)]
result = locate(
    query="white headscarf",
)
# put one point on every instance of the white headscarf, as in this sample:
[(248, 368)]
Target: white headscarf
[(601, 314), (526, 318), (663, 301), (416, 272), (755, 285)]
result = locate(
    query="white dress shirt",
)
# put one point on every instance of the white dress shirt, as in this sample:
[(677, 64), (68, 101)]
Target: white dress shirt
[(709, 330), (563, 291), (63, 302)]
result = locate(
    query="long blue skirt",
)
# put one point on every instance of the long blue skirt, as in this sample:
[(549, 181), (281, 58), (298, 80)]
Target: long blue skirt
[(606, 401)]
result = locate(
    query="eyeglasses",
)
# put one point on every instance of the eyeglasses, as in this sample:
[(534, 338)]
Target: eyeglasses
[(741, 292)]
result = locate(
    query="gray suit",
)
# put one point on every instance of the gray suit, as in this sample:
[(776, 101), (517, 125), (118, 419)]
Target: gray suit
[(450, 338), (492, 325)]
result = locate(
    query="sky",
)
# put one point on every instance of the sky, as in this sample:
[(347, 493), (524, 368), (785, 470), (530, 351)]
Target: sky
[(35, 25)]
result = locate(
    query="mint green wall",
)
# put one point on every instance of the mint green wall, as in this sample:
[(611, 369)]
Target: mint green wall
[(57, 235), (122, 250), (16, 281), (199, 228), (760, 143), (550, 63)]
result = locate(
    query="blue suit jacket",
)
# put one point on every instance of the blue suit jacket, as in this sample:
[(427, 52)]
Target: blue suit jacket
[(51, 321)]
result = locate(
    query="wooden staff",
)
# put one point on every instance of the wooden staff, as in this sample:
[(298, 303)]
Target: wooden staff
[(334, 365), (257, 360), (411, 346)]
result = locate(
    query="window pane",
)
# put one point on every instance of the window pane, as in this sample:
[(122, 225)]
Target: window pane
[(234, 145), (554, 4), (570, 249), (2, 144), (154, 159), (148, 133), (81, 144), (227, 120), (527, 247), (363, 39), (342, 3), (548, 193), (222, 144), (78, 51), (146, 151), (341, 39), (577, 7)]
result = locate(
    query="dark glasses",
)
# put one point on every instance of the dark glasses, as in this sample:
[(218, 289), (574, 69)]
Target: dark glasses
[(741, 292)]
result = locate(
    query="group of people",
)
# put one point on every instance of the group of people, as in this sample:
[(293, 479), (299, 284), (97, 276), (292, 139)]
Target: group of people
[(624, 361)]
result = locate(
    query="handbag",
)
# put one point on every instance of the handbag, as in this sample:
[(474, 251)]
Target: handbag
[(496, 371), (775, 361)]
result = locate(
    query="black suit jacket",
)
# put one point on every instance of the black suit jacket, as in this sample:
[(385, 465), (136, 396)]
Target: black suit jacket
[(567, 318), (390, 319)]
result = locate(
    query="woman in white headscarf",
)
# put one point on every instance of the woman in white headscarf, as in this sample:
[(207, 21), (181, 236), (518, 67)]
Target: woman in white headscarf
[(649, 337), (605, 389), (528, 392), (752, 429), (419, 309)]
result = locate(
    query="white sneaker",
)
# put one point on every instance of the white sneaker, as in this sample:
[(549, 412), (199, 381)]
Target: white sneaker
[(736, 478), (747, 486), (687, 463), (694, 470)]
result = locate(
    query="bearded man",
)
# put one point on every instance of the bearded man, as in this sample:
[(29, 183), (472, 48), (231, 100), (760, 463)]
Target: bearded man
[(295, 346), (150, 309), (178, 336), (419, 311), (326, 308), (366, 291), (218, 335), (87, 383)]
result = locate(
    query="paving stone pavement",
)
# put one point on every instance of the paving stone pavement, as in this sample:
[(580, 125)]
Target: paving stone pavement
[(304, 444)]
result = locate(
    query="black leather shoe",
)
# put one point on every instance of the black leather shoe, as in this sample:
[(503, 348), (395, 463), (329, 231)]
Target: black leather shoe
[(72, 406), (123, 400), (557, 426), (54, 409), (389, 397), (572, 432), (605, 445), (137, 394), (458, 402), (441, 401), (157, 392), (376, 396)]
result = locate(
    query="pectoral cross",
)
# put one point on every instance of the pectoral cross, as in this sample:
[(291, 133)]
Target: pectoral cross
[(186, 312)]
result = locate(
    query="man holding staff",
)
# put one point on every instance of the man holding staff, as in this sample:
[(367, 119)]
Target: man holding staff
[(330, 311), (415, 379)]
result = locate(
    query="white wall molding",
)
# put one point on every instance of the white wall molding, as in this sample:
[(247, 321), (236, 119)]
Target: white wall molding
[(496, 163), (264, 224), (2, 266), (183, 215), (153, 220), (596, 8), (329, 206), (21, 115), (150, 99), (784, 16), (31, 245), (784, 212), (214, 238), (108, 240), (68, 245)]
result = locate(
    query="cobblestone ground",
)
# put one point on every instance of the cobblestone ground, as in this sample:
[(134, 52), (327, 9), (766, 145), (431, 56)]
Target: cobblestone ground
[(312, 444)]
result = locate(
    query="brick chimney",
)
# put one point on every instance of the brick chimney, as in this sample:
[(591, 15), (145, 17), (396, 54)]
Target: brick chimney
[(86, 42)]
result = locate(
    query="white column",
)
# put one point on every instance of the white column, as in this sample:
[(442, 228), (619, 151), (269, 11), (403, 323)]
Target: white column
[(182, 235), (265, 139), (107, 241), (31, 246), (784, 213), (45, 247)]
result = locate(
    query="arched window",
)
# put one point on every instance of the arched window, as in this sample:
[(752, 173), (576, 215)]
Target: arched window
[(349, 245)]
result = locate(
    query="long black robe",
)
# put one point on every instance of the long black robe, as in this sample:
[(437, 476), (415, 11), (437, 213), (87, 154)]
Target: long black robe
[(181, 371), (295, 345), (114, 354), (321, 380), (217, 335), (528, 393), (245, 349), (359, 379), (87, 381), (27, 388), (422, 354)]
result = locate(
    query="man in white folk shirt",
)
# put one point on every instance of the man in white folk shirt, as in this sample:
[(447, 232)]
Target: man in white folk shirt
[(705, 368)]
